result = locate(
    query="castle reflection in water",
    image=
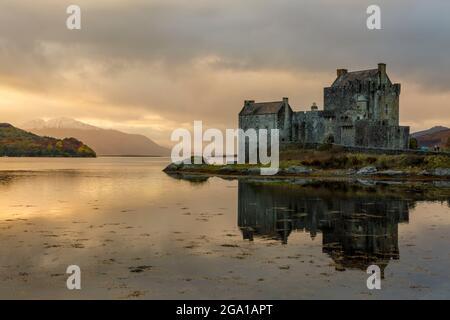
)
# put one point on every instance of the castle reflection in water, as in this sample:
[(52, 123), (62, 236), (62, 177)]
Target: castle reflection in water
[(359, 226), (358, 220)]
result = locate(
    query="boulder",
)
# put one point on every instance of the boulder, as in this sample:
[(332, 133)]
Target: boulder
[(367, 170), (438, 172), (296, 170), (228, 170), (174, 166), (186, 164), (253, 171), (441, 172)]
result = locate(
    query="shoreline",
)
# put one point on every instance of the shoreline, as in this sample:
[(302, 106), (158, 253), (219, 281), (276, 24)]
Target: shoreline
[(227, 171)]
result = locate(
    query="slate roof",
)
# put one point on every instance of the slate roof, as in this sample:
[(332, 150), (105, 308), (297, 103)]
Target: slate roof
[(363, 75), (261, 108)]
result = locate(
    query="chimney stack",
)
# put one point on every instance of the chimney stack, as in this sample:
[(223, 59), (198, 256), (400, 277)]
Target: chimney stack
[(341, 72), (382, 68), (248, 102), (382, 71), (286, 100)]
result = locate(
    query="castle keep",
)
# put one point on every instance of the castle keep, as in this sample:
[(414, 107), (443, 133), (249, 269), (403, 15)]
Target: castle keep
[(360, 109)]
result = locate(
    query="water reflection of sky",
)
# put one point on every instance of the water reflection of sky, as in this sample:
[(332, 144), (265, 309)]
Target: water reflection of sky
[(211, 237)]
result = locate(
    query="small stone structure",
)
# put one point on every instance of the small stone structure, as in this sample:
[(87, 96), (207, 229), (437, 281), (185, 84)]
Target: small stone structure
[(361, 109)]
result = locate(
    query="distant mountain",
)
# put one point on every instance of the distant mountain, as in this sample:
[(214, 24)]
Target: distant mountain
[(433, 130), (15, 142), (58, 123), (103, 141), (436, 136)]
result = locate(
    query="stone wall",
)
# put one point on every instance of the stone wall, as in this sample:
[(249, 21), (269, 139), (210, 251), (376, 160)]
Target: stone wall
[(347, 136), (365, 100), (269, 121), (262, 121), (313, 127), (379, 135), (362, 111)]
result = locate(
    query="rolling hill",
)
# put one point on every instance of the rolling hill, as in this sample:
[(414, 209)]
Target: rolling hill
[(436, 136), (104, 141), (15, 142)]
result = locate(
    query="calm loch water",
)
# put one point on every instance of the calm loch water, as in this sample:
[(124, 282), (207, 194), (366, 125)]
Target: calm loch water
[(137, 233)]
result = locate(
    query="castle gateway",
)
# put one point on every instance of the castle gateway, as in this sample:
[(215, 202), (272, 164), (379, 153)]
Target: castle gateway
[(361, 109)]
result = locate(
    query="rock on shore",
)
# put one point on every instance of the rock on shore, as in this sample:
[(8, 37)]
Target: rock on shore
[(204, 167)]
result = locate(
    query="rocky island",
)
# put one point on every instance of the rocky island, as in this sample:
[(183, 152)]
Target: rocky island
[(358, 133), (333, 161)]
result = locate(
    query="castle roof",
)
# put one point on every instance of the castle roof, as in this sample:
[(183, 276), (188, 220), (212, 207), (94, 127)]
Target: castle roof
[(255, 108), (363, 75)]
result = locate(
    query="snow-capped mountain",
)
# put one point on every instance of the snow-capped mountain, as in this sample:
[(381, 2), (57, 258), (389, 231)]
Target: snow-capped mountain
[(58, 123)]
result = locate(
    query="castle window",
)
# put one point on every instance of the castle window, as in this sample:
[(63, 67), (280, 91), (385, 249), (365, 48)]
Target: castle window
[(386, 109)]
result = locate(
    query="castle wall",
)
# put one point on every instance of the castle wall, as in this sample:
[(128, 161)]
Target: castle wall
[(282, 120), (348, 135), (260, 121), (377, 135), (313, 127), (389, 101), (360, 109), (380, 102), (339, 99)]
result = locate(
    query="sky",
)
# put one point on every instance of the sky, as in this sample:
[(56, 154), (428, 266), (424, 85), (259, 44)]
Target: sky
[(151, 66)]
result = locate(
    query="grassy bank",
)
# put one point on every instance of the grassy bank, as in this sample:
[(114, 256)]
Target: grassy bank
[(335, 162), (336, 158)]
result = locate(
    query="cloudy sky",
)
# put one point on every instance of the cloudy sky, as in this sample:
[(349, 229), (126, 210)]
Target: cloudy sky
[(151, 66)]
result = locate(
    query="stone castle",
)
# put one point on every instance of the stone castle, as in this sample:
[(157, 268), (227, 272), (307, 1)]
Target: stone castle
[(361, 109)]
